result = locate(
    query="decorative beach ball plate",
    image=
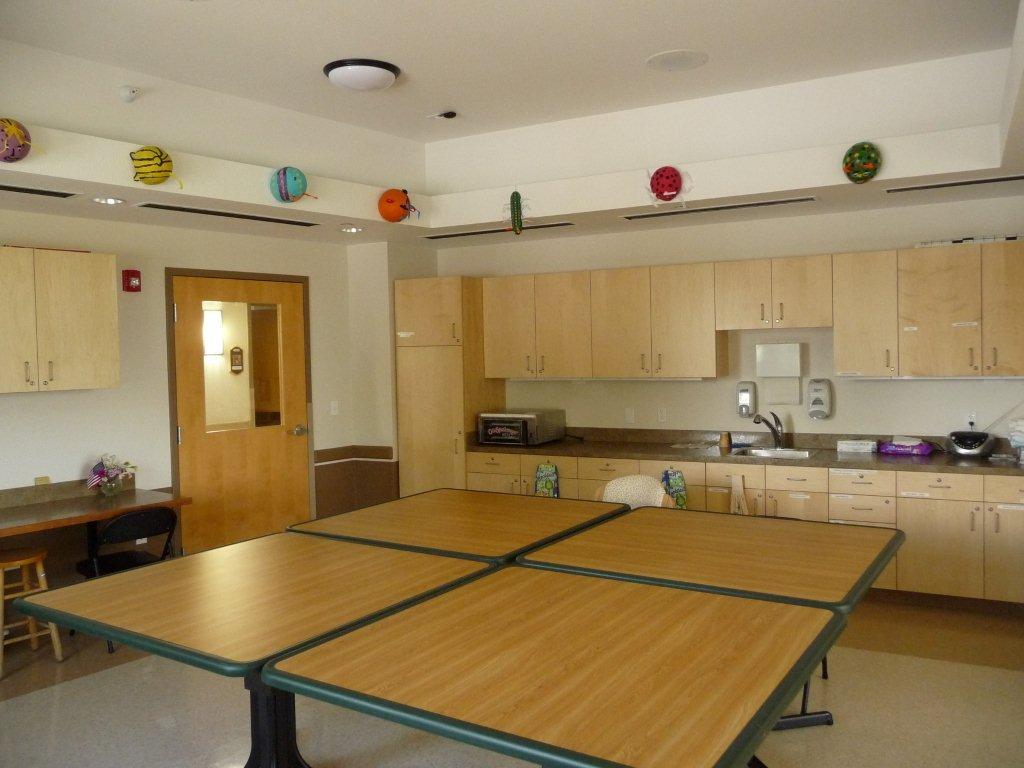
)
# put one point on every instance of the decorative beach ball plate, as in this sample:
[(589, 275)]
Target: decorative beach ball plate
[(861, 162), (15, 141), (287, 184)]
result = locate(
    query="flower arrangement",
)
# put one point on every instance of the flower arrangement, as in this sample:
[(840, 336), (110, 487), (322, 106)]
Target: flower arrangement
[(109, 474)]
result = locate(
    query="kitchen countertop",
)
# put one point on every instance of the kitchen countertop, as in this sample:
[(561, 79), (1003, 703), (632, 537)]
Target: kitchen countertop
[(707, 452)]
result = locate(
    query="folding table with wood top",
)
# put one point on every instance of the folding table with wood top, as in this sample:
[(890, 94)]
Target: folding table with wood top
[(491, 527), (574, 671), (229, 610), (777, 559)]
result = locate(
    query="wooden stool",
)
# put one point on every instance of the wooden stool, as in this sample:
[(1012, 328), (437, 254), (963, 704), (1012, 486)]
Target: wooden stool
[(26, 560)]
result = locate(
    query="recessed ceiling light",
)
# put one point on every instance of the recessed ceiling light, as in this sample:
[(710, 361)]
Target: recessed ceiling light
[(362, 74), (108, 200), (677, 61), (351, 228)]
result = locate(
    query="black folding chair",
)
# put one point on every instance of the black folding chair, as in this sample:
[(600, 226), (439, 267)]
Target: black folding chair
[(140, 524)]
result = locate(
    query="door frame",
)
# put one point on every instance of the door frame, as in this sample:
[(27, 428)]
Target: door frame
[(172, 374)]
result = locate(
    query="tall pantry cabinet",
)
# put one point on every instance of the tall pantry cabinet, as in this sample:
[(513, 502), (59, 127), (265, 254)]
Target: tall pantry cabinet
[(440, 379)]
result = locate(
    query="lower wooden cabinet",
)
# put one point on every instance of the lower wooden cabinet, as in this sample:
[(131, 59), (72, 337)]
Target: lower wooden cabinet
[(798, 504), (718, 500), (1004, 552), (479, 481), (944, 552)]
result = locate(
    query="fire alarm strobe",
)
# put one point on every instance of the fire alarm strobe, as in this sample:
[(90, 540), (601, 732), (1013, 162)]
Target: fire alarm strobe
[(131, 280)]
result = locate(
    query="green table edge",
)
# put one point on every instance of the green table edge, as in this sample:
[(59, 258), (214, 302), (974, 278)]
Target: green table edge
[(547, 755), (499, 559), (218, 664), (845, 605)]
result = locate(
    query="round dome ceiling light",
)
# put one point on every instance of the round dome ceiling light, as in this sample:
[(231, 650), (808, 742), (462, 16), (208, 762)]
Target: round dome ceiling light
[(351, 228), (677, 61), (362, 74)]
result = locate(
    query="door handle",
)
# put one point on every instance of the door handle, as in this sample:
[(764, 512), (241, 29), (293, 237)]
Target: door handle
[(997, 522), (299, 430), (995, 359), (971, 362)]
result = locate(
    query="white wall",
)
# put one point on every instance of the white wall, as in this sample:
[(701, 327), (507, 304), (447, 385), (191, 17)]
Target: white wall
[(60, 433), (923, 407)]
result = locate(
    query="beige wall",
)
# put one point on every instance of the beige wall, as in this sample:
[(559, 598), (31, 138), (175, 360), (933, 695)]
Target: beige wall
[(60, 434), (922, 407)]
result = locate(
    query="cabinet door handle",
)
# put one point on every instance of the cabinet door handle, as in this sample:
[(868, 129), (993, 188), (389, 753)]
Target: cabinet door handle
[(454, 337), (456, 439), (797, 479), (972, 520), (528, 369), (861, 509), (888, 359), (997, 522), (995, 357), (643, 362), (659, 362), (28, 373), (541, 369), (862, 482), (762, 313), (971, 359), (781, 313), (51, 369)]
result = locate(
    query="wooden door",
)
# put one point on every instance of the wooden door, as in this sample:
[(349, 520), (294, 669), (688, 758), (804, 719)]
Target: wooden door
[(620, 322), (743, 294), (1002, 295), (431, 441), (944, 550), (1004, 552), (247, 472), (563, 325), (940, 311), (76, 320), (19, 371), (510, 327), (802, 292), (684, 341), (865, 333), (428, 311), (798, 504)]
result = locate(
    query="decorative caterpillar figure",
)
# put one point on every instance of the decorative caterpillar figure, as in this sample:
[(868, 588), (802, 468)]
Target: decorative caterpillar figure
[(152, 165), (515, 205)]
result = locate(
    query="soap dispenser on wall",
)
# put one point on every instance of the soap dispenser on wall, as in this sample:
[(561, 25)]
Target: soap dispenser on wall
[(819, 398), (746, 399)]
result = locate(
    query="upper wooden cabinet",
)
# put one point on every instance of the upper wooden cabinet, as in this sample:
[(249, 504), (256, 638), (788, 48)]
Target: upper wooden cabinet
[(58, 321), (940, 311), (684, 341), (1002, 328), (743, 294), (510, 327), (19, 371), (621, 322), (802, 292), (428, 312), (865, 320), (563, 325), (773, 293)]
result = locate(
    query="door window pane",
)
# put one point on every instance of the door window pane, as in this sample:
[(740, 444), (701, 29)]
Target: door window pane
[(241, 365)]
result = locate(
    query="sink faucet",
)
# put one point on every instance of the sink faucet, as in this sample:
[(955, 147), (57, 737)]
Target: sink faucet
[(778, 434)]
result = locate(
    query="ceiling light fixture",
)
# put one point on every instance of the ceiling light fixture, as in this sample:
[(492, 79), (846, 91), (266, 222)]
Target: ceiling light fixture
[(108, 200), (362, 74), (351, 228), (679, 60)]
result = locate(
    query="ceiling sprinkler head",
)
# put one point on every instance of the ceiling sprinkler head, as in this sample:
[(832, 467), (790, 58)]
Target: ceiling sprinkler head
[(129, 93)]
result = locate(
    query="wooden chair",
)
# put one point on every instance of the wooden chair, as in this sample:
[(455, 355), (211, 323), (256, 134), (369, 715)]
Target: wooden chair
[(26, 561)]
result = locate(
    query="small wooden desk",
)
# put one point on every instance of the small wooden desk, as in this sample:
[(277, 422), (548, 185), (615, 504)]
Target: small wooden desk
[(492, 527), (47, 515), (576, 671), (771, 558), (228, 610)]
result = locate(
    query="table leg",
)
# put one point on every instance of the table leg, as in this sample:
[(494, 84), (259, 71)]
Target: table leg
[(272, 714), (755, 763), (805, 719)]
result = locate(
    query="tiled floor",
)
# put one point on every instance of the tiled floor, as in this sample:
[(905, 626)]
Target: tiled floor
[(900, 690)]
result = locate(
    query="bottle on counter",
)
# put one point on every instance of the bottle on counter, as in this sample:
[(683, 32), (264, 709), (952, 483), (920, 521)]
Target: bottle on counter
[(725, 441)]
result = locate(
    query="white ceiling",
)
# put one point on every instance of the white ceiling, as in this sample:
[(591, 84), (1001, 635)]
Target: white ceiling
[(502, 64)]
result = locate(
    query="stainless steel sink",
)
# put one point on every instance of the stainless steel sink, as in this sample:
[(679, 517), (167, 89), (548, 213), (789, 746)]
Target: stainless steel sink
[(772, 453)]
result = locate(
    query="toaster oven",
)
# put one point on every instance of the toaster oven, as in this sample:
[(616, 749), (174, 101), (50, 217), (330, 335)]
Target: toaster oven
[(521, 427)]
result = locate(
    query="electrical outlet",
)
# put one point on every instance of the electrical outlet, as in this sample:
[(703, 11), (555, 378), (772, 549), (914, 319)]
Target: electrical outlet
[(631, 415), (334, 407), (972, 417), (43, 480), (662, 415)]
